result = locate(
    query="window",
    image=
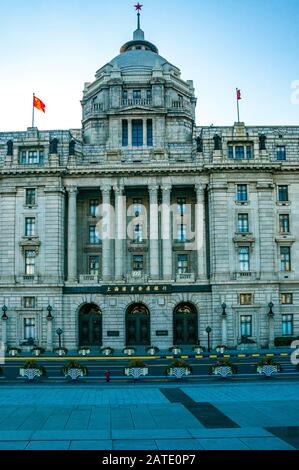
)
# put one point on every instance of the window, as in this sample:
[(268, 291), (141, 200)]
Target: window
[(244, 258), (137, 262), (248, 152), (245, 299), (93, 235), (29, 328), (283, 193), (31, 157), (94, 265), (284, 223), (281, 152), (30, 197), (125, 133), (125, 94), (239, 152), (242, 193), (230, 151), (149, 132), (93, 205), (29, 302), (287, 325), (138, 233), (30, 262), (286, 298), (243, 223), (29, 226), (182, 232), (183, 263), (137, 133), (136, 94), (137, 205), (149, 94), (181, 201), (285, 258), (246, 325)]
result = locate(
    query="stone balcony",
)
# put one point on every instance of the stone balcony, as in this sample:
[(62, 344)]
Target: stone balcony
[(136, 102), (185, 277), (244, 276)]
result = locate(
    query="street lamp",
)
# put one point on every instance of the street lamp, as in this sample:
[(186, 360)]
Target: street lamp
[(59, 333), (4, 310), (208, 331), (223, 306), (49, 316), (270, 313)]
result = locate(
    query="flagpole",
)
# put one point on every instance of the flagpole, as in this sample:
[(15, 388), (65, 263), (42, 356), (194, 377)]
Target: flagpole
[(238, 109), (33, 109)]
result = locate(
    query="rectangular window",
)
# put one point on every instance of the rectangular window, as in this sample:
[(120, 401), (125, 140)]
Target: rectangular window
[(281, 152), (242, 193), (125, 94), (93, 235), (283, 193), (181, 201), (230, 151), (137, 133), (287, 325), (138, 233), (125, 133), (239, 151), (183, 264), (245, 299), (30, 262), (136, 94), (29, 226), (30, 197), (137, 262), (94, 265), (244, 258), (248, 152), (286, 298), (149, 132), (148, 94), (29, 328), (29, 302), (137, 207), (284, 223), (246, 325), (285, 258), (182, 232), (93, 205), (243, 223), (31, 157)]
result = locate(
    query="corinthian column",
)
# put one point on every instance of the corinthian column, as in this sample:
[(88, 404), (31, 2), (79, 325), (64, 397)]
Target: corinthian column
[(166, 232), (72, 234), (154, 232), (106, 233), (120, 231), (200, 230)]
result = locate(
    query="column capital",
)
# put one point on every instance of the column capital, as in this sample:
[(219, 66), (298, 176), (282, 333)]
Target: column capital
[(106, 188), (166, 187), (119, 189), (72, 190), (153, 188), (200, 187)]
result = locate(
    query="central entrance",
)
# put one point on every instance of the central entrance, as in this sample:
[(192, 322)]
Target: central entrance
[(185, 329), (90, 325), (138, 325)]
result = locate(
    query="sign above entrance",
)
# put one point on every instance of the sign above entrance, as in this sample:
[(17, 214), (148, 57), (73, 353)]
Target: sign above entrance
[(122, 289), (137, 289)]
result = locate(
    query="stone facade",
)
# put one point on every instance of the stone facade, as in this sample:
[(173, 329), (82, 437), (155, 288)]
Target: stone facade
[(233, 190)]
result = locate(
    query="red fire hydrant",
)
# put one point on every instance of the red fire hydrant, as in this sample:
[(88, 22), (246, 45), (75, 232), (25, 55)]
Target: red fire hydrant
[(107, 375)]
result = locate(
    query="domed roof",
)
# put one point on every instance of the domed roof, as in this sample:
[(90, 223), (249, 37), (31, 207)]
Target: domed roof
[(138, 58)]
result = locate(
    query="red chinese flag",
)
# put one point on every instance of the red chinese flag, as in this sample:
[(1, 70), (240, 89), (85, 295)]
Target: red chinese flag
[(238, 94), (38, 104)]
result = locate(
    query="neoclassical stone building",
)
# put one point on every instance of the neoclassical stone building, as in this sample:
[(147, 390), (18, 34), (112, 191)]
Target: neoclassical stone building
[(203, 228)]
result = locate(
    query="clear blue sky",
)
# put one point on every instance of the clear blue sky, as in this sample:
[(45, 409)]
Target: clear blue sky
[(52, 47)]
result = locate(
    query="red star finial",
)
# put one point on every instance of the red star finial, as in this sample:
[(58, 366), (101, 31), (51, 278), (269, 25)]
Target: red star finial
[(138, 7)]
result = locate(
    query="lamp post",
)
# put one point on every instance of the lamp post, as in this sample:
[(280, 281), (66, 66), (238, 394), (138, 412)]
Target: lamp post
[(208, 331), (224, 324), (4, 310), (271, 324), (49, 316), (49, 328), (270, 313), (4, 326), (59, 333)]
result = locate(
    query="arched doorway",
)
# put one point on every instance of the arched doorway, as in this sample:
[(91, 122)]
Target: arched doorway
[(90, 325), (138, 325), (185, 328)]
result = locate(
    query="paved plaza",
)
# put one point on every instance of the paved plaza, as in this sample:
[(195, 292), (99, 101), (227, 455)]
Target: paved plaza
[(224, 415)]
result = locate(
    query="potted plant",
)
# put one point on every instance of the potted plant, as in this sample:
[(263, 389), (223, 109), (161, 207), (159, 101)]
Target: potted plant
[(221, 349), (198, 349), (136, 369), (107, 351), (37, 350), (178, 369), (175, 350), (129, 350), (152, 350), (84, 350), (32, 369), (224, 367), (13, 350), (74, 370), (267, 366), (60, 351)]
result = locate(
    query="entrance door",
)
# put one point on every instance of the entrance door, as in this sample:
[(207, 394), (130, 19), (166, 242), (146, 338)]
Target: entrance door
[(185, 330), (138, 326), (90, 326)]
